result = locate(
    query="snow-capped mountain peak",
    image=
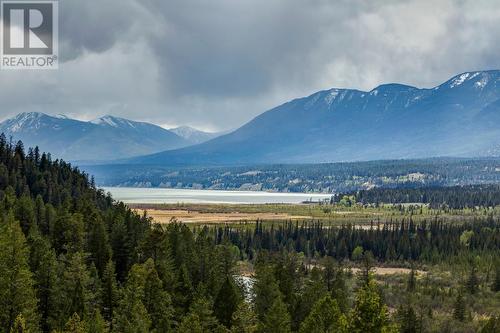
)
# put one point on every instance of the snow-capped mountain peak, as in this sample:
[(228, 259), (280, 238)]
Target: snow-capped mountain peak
[(105, 138), (479, 79), (24, 121), (185, 131), (112, 121), (193, 135)]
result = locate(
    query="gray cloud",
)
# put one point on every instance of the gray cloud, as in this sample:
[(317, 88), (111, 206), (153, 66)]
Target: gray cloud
[(217, 64)]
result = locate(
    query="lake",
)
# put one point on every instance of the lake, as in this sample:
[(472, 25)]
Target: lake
[(164, 195)]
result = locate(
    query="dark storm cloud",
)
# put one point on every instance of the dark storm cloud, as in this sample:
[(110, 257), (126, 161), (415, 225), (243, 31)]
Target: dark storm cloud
[(238, 48), (95, 26), (217, 64)]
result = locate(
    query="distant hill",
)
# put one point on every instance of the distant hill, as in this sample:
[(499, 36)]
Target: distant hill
[(192, 135), (457, 118), (102, 139), (325, 178)]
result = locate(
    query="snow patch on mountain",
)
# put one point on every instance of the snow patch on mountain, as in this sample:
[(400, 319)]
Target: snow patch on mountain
[(459, 80), (331, 96), (114, 122), (193, 135), (482, 83), (30, 120)]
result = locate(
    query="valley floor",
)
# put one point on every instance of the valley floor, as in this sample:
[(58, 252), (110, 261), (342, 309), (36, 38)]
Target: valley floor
[(361, 216)]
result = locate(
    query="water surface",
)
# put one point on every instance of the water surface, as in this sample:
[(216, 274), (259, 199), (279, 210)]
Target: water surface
[(163, 195)]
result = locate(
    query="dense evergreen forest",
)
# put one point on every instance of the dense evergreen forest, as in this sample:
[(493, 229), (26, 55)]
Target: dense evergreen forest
[(432, 241), (455, 197), (73, 260), (326, 178)]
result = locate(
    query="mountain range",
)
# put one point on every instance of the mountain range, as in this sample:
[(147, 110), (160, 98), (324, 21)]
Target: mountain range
[(460, 117), (101, 139)]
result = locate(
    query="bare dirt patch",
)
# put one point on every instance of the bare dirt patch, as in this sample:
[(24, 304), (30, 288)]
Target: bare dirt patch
[(391, 271)]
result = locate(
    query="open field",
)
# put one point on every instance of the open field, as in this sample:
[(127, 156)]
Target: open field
[(244, 268), (217, 213), (391, 271), (191, 216), (329, 214)]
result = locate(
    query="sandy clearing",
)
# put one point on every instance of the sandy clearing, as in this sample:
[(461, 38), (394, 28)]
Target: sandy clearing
[(378, 270), (185, 216), (391, 270)]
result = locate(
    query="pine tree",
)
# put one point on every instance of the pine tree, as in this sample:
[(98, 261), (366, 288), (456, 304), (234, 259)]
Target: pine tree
[(19, 325), (226, 302), (17, 295), (201, 312), (286, 273), (325, 316), (157, 301), (408, 320), (40, 215), (98, 244), (75, 293), (95, 292), (155, 246), (472, 284), (109, 290), (68, 233), (412, 281), (244, 319), (135, 318), (191, 323), (495, 286), (370, 313), (277, 319), (357, 253), (266, 291), (131, 314), (183, 290), (25, 213), (44, 266), (365, 272), (334, 278), (313, 290), (459, 307), (75, 325), (97, 324)]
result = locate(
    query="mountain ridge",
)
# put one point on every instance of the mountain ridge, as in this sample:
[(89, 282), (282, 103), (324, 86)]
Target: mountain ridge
[(391, 121), (101, 139)]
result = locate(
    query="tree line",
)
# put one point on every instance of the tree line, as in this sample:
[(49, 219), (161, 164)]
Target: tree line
[(426, 241), (454, 197)]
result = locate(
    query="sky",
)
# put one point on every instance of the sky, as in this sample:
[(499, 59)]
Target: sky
[(217, 64)]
